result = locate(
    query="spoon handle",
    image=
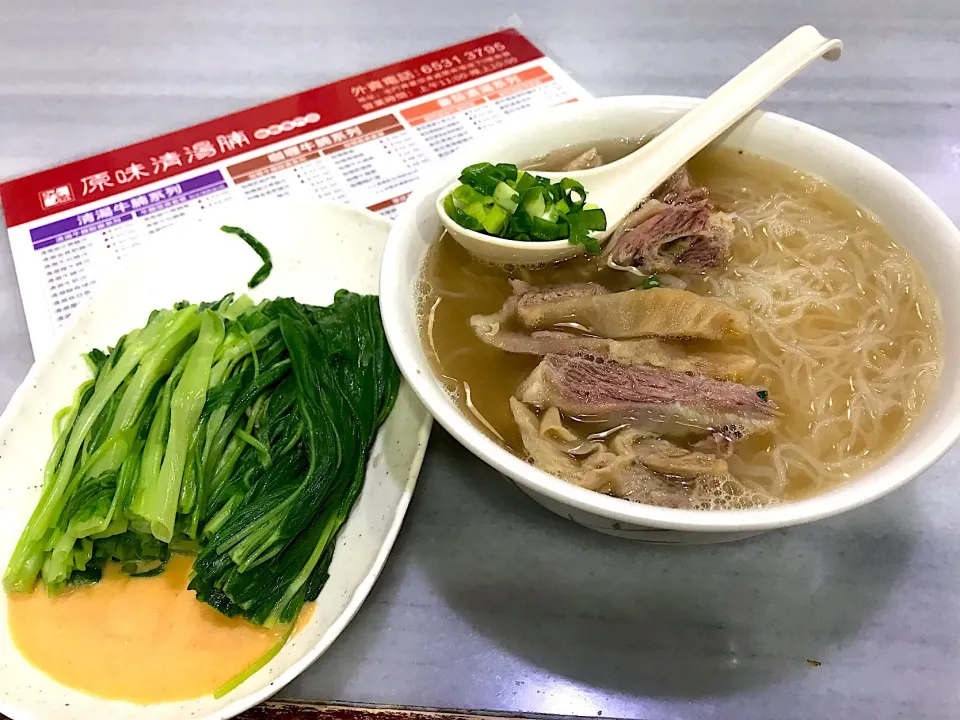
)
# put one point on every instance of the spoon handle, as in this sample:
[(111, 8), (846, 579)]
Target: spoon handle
[(666, 153)]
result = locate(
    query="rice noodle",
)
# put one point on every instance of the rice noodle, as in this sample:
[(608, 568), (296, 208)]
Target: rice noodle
[(844, 328)]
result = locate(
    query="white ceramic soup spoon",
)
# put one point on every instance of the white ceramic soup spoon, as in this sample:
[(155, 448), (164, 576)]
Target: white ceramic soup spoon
[(618, 188)]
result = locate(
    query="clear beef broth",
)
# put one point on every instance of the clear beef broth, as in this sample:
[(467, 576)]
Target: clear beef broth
[(610, 151), (483, 378)]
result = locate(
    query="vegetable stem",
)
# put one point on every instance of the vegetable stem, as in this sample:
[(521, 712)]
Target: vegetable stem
[(259, 248)]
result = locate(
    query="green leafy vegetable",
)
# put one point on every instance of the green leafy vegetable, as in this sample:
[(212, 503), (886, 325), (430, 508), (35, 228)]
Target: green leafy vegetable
[(235, 431), (259, 248), (249, 565), (502, 201)]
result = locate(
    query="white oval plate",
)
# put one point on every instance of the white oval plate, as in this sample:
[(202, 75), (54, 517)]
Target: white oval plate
[(316, 249)]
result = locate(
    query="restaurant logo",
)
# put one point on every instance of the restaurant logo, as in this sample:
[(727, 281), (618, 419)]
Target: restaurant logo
[(56, 196), (286, 126)]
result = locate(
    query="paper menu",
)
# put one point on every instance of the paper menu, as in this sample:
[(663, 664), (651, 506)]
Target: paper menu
[(362, 141)]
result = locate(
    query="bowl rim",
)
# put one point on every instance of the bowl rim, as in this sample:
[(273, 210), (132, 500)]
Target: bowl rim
[(871, 485)]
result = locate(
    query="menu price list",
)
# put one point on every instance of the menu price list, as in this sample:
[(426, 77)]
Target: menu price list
[(77, 250), (370, 160)]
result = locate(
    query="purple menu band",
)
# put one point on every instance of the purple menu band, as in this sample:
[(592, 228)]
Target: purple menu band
[(100, 218)]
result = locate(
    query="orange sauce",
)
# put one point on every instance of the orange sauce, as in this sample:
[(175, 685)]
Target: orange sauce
[(145, 640)]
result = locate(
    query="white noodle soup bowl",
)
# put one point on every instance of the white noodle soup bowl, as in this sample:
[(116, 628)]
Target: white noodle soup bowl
[(909, 215)]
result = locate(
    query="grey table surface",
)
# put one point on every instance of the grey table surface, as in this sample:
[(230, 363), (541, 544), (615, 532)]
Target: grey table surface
[(489, 601)]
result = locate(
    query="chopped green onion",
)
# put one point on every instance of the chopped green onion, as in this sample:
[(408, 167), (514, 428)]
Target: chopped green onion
[(594, 219), (506, 197), (763, 394), (650, 282), (534, 202), (481, 177), (459, 216), (510, 172), (502, 201), (495, 220), (525, 181), (541, 229), (466, 195), (574, 192), (582, 224), (476, 210)]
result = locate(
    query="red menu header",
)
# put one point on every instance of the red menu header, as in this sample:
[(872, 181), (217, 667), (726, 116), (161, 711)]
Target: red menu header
[(95, 178)]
